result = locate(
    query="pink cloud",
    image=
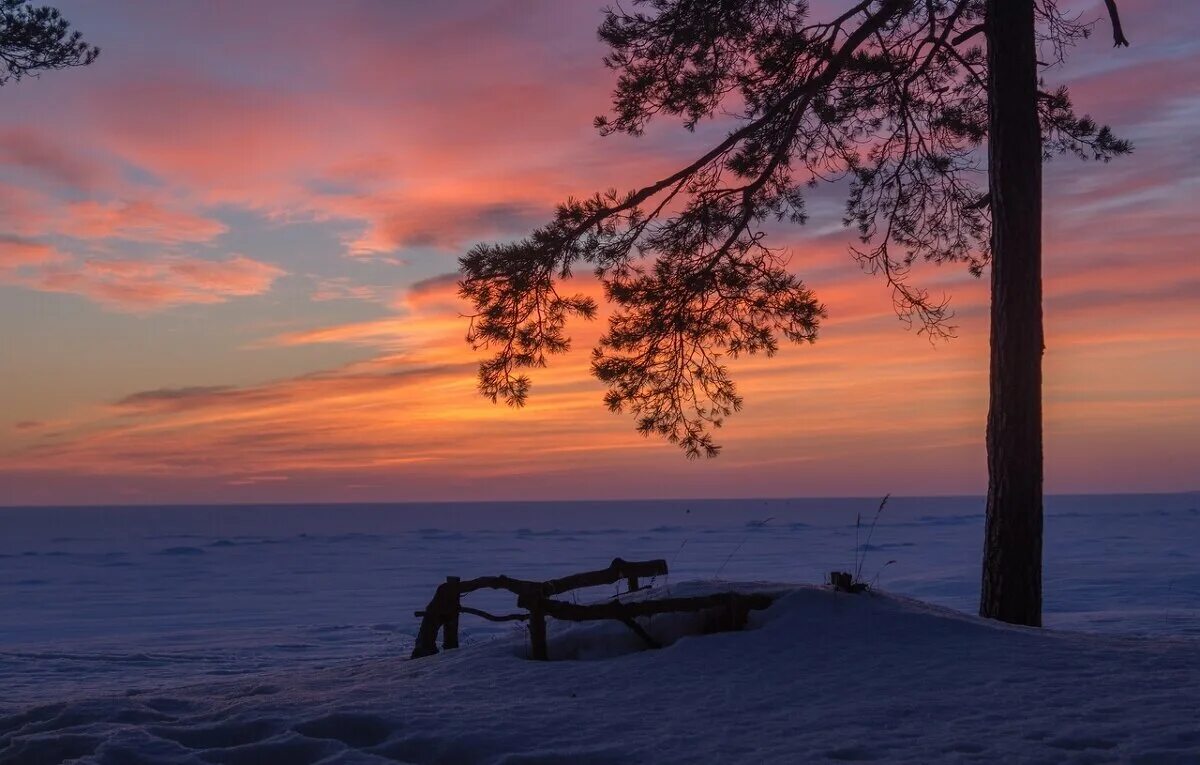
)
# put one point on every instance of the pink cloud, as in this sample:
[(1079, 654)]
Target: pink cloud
[(138, 286), (55, 160), (137, 220), (28, 260), (342, 288), (23, 211), (17, 252)]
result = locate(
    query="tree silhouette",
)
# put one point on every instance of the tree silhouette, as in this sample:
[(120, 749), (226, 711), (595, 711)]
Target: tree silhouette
[(898, 97), (37, 38)]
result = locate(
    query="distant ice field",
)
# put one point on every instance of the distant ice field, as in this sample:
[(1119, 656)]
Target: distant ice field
[(122, 598)]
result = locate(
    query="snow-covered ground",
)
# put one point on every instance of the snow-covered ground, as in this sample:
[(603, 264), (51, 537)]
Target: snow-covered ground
[(281, 635), (819, 677)]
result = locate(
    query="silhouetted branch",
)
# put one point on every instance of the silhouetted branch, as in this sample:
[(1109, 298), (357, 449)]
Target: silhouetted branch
[(891, 94), (1114, 17), (33, 39)]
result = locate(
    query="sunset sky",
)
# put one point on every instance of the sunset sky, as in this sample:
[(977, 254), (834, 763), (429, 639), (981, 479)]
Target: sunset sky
[(227, 253)]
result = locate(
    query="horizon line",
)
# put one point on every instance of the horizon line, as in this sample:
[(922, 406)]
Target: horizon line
[(388, 503)]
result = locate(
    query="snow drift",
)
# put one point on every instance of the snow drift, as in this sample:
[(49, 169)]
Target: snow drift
[(820, 676)]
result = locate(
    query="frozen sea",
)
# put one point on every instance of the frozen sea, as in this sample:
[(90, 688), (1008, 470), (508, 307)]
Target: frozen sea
[(108, 600)]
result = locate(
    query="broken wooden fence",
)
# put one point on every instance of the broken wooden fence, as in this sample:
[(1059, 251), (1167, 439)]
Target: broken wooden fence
[(444, 609)]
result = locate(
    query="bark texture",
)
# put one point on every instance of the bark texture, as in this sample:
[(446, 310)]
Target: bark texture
[(1012, 561)]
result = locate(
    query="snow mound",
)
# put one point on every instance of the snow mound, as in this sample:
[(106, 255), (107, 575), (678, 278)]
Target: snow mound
[(818, 677)]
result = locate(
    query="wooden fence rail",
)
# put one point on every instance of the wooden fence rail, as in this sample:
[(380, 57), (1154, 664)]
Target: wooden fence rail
[(536, 597)]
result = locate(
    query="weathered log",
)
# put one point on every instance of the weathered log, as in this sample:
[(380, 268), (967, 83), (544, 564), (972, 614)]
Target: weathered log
[(515, 586), (450, 618), (483, 615), (443, 610), (576, 612), (433, 617), (493, 617), (641, 632), (537, 633), (732, 609), (617, 570), (426, 644)]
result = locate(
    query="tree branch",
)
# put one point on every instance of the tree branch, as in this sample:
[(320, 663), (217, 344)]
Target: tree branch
[(1119, 40)]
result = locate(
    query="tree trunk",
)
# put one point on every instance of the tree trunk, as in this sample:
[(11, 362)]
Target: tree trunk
[(1012, 558)]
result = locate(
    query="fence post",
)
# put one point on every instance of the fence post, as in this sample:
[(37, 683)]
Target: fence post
[(426, 643), (537, 632), (450, 619)]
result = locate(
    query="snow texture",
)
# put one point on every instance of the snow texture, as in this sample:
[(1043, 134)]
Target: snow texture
[(240, 635)]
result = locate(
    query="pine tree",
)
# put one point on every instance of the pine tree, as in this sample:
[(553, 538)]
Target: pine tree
[(900, 97), (36, 38)]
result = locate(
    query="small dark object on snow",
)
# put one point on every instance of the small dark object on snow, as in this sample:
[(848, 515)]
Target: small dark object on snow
[(842, 581)]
